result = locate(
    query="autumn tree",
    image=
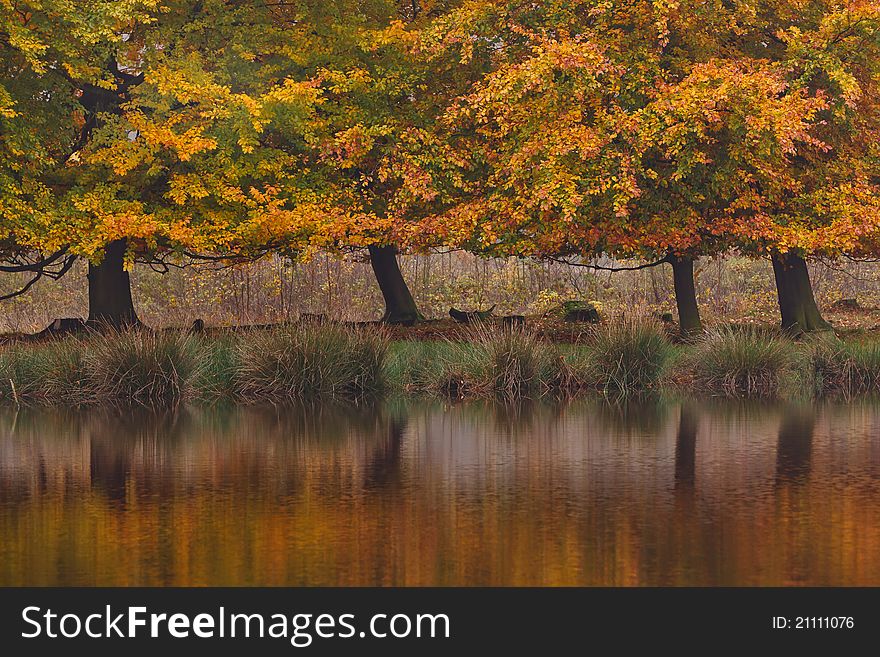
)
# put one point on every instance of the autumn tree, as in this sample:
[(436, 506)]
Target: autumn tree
[(65, 68), (660, 131), (138, 151), (566, 130), (549, 155), (377, 94), (271, 128)]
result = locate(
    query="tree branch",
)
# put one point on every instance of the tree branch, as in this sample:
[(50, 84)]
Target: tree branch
[(647, 265), (34, 266), (24, 289), (38, 274)]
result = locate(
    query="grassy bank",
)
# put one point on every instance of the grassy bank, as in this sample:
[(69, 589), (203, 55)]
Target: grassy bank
[(303, 363)]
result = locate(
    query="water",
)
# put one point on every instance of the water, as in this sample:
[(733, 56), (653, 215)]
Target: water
[(432, 494)]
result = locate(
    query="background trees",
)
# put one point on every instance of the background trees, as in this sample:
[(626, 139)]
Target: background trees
[(271, 127), (665, 132), (563, 130)]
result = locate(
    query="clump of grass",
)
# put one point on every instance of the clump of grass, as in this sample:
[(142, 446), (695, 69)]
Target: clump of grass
[(516, 360), (625, 358), (744, 362), (416, 366), (507, 363), (19, 374), (146, 368), (216, 376), (63, 378), (50, 373), (848, 368), (306, 362)]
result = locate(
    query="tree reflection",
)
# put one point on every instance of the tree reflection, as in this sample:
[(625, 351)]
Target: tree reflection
[(795, 444), (427, 494), (686, 449), (383, 467), (116, 436), (632, 416)]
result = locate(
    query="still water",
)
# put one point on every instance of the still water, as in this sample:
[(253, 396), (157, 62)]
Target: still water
[(659, 493)]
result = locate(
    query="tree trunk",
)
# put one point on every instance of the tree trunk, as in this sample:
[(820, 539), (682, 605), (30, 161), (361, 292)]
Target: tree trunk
[(400, 307), (685, 295), (798, 308), (110, 302)]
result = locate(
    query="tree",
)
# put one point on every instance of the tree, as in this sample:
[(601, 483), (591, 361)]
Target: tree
[(227, 130), (664, 132), (65, 68), (552, 149), (272, 126)]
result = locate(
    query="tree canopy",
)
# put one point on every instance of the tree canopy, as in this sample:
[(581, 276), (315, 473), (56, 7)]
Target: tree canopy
[(232, 128)]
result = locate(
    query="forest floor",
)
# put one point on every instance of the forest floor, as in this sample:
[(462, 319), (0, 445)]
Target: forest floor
[(847, 322)]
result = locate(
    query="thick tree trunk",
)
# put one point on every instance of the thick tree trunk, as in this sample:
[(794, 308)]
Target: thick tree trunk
[(685, 295), (400, 307), (110, 302), (798, 308)]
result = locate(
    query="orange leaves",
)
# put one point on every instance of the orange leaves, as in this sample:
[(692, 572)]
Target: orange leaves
[(508, 96), (146, 139), (98, 217), (748, 99), (503, 127), (348, 147), (662, 125)]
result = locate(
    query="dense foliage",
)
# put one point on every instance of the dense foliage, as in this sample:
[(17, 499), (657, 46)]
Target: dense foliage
[(231, 128)]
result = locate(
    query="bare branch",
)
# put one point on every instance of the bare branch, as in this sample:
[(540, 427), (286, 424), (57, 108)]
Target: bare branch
[(647, 265), (33, 266), (24, 289)]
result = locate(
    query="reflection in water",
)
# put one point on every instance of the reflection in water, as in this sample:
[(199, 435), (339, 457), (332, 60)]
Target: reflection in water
[(686, 448), (397, 494), (383, 467), (795, 445)]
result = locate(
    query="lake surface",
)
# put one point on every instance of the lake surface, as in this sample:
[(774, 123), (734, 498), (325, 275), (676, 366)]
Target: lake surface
[(585, 493)]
